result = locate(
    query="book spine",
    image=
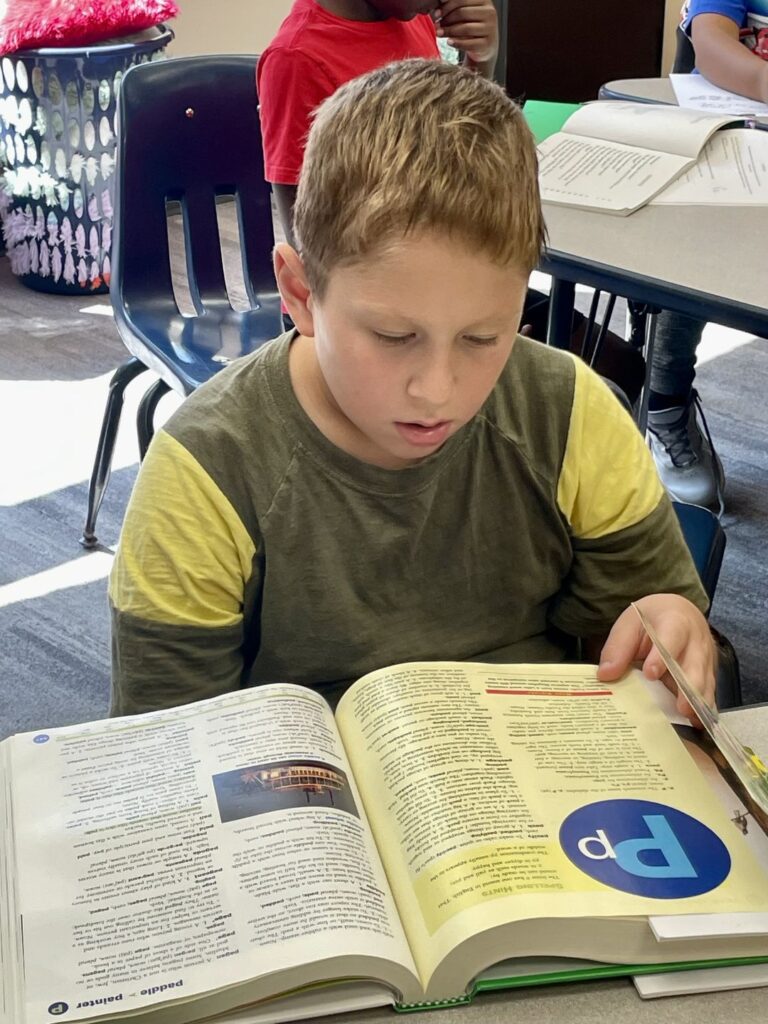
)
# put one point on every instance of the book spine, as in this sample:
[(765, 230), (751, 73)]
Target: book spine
[(435, 1004)]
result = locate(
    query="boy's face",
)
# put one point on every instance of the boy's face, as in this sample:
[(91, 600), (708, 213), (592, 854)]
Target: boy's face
[(409, 343)]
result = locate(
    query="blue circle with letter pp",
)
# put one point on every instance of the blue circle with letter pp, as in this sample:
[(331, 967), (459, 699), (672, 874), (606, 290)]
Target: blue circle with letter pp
[(645, 848)]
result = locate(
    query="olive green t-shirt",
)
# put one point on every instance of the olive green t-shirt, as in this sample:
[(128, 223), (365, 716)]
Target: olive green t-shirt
[(255, 551)]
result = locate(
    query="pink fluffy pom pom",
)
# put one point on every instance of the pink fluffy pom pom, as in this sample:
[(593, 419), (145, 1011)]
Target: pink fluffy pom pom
[(31, 24)]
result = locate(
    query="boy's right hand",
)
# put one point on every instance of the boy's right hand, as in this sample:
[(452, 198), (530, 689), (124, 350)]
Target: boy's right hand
[(472, 27)]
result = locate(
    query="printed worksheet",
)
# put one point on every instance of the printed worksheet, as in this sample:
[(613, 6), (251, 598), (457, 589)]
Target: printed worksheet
[(696, 92), (732, 171)]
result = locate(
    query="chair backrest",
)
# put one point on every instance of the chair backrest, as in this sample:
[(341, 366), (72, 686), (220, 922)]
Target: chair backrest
[(705, 538), (188, 132), (685, 56)]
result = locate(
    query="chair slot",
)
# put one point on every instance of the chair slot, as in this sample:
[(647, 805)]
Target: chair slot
[(178, 258), (231, 245), (204, 263)]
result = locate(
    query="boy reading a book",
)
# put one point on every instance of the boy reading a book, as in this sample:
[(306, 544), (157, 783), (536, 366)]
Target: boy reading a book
[(401, 477)]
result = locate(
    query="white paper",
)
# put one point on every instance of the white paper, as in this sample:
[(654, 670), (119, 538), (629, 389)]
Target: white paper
[(732, 171), (696, 92), (713, 979), (668, 927)]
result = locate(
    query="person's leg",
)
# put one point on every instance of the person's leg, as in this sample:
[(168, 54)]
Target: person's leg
[(680, 440)]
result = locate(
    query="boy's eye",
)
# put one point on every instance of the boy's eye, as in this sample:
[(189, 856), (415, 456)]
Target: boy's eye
[(481, 339), (394, 339)]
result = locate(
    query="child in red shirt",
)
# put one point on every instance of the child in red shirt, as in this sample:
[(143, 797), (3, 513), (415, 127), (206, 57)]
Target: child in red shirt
[(322, 44)]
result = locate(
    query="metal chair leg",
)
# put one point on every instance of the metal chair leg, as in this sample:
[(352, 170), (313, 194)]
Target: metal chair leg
[(106, 447), (145, 416)]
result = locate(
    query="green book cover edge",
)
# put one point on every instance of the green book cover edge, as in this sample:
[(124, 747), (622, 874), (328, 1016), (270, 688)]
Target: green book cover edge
[(595, 971), (545, 118)]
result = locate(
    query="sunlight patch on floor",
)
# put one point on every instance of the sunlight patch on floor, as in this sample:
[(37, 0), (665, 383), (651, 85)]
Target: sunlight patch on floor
[(86, 569), (719, 341), (50, 429)]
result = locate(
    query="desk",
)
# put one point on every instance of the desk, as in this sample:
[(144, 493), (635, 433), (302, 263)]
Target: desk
[(614, 1000), (706, 261)]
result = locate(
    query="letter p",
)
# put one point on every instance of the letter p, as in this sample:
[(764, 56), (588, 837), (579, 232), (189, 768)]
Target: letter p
[(662, 838)]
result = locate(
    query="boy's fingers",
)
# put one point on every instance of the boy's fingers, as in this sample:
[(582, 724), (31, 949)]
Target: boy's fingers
[(464, 17), (699, 670), (468, 8), (466, 37), (457, 24), (621, 647)]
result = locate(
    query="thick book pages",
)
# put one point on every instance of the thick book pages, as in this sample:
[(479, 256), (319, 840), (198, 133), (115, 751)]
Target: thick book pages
[(180, 865), (614, 156), (458, 828), (487, 786)]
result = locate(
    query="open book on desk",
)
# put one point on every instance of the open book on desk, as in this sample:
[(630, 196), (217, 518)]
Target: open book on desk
[(731, 171), (614, 156), (454, 828)]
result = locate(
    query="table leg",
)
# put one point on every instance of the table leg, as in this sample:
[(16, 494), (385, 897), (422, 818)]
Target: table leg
[(560, 319)]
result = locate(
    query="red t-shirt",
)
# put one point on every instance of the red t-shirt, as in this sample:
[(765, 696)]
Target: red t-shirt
[(314, 53)]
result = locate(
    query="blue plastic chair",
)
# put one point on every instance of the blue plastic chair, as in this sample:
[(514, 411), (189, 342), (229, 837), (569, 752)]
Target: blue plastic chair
[(705, 538), (188, 134)]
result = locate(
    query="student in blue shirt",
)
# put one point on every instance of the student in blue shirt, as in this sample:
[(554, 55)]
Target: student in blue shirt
[(689, 467), (724, 51)]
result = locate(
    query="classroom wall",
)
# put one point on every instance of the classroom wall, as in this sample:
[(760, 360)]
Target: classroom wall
[(226, 26)]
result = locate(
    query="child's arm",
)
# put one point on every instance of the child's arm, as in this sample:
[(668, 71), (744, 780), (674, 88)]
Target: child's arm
[(178, 587), (724, 60), (472, 27), (684, 632)]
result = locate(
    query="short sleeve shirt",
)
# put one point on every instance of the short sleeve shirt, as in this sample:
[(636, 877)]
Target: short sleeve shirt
[(312, 55), (736, 10)]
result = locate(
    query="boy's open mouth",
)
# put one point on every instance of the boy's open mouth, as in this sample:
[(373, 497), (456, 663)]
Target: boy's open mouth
[(424, 434)]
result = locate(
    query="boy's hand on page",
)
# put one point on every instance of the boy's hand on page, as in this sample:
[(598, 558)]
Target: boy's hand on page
[(471, 26), (681, 628)]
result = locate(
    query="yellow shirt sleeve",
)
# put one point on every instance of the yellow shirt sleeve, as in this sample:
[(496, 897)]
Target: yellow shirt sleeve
[(608, 480), (184, 555)]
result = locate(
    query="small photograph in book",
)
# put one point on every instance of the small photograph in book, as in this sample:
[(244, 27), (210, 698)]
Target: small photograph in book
[(280, 786), (745, 814)]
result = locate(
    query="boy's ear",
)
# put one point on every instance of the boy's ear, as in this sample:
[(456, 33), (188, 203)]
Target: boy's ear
[(294, 288)]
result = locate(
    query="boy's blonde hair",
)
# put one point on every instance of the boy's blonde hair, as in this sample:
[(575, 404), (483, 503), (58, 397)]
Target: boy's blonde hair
[(417, 145)]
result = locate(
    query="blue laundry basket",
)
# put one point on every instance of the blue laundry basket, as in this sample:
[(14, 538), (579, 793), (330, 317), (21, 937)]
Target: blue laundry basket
[(57, 151)]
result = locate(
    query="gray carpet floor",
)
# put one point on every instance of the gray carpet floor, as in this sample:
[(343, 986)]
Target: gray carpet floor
[(54, 644)]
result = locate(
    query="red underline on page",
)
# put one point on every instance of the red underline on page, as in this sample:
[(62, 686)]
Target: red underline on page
[(554, 693)]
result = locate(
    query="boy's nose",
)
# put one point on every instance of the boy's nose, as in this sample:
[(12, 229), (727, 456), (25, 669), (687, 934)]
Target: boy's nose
[(433, 383)]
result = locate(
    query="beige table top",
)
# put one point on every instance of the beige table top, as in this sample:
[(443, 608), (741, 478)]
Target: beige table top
[(612, 1001), (657, 89), (721, 253)]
